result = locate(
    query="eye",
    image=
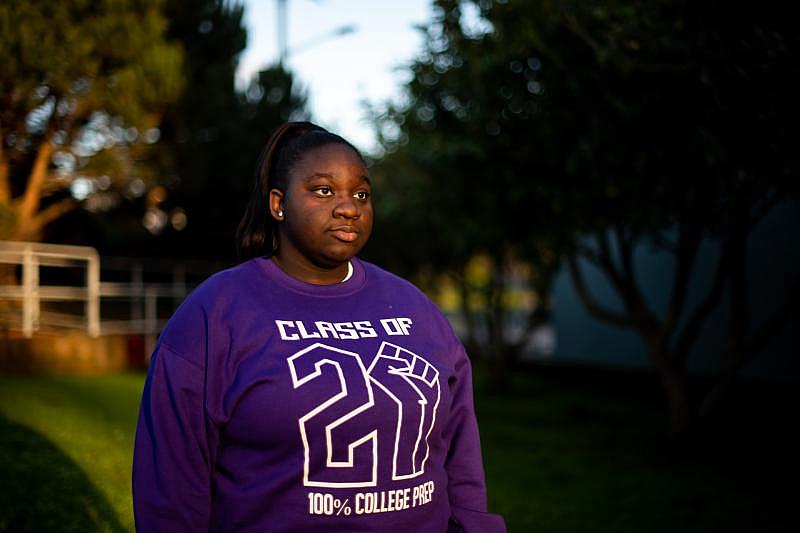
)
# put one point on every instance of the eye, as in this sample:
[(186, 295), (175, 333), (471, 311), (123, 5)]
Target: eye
[(362, 195), (324, 191)]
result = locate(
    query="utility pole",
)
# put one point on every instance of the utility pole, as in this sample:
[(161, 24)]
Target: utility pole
[(282, 25), (283, 47)]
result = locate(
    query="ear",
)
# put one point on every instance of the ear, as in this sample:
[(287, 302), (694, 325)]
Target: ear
[(276, 204)]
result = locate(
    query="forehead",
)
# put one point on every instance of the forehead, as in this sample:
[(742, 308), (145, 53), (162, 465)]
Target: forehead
[(328, 158)]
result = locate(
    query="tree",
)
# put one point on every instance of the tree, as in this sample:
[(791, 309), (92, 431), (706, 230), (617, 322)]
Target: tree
[(82, 85), (457, 182), (211, 138), (597, 129)]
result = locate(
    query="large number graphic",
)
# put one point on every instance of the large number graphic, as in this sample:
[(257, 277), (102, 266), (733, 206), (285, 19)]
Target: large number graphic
[(316, 427), (336, 454)]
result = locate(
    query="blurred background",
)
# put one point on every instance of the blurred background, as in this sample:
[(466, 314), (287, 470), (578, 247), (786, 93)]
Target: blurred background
[(602, 197)]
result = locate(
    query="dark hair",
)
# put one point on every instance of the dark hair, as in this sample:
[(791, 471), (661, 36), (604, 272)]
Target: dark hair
[(258, 231)]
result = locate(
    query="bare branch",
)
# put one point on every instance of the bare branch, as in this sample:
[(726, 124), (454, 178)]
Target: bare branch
[(618, 319), (589, 254), (761, 211), (685, 255), (29, 202), (53, 183), (464, 306), (579, 31), (635, 302), (541, 314), (49, 214), (776, 322), (5, 186), (628, 278), (626, 254), (662, 241), (607, 263), (702, 311)]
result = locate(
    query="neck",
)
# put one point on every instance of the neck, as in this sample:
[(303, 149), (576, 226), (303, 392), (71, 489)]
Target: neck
[(314, 274)]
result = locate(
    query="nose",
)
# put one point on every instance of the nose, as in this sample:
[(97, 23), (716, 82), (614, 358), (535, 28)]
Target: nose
[(347, 208)]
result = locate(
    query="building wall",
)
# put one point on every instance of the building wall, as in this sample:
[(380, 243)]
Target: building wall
[(773, 266)]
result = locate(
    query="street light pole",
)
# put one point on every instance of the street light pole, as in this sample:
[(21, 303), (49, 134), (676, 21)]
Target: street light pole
[(338, 32), (283, 48), (282, 25)]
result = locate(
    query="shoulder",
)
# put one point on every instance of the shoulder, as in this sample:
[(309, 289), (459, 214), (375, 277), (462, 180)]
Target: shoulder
[(231, 282), (385, 280), (408, 299), (209, 305)]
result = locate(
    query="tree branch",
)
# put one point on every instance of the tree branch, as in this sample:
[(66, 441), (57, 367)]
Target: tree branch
[(685, 255), (45, 216), (735, 359), (626, 254), (738, 316), (631, 293), (466, 312), (762, 210), (589, 253), (29, 202), (541, 313), (617, 319), (635, 302), (607, 263), (579, 31), (5, 186), (702, 311), (776, 322)]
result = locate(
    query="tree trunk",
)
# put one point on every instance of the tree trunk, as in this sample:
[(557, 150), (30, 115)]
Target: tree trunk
[(470, 340), (498, 343), (674, 384), (678, 404), (5, 186), (29, 204)]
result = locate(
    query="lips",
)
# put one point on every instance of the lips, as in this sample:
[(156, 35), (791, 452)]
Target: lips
[(345, 233)]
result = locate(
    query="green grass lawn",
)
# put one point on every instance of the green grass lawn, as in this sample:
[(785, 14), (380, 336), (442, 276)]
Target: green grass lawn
[(561, 456), (573, 455), (65, 452)]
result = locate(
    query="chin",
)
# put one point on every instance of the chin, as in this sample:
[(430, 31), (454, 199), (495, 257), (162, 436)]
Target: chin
[(337, 257)]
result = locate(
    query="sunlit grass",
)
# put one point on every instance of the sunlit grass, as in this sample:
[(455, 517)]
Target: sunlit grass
[(90, 420)]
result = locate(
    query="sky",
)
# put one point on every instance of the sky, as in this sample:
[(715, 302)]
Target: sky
[(341, 72)]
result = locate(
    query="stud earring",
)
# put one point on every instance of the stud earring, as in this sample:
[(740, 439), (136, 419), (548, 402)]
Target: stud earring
[(280, 213)]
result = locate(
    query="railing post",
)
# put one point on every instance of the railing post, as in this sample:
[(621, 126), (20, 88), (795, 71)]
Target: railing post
[(137, 291), (178, 284), (150, 321), (30, 292), (93, 295)]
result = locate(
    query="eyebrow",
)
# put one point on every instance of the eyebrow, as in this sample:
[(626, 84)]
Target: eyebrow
[(328, 175)]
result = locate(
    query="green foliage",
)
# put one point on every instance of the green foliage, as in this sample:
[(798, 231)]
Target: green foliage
[(585, 130), (82, 85), (107, 55), (211, 139), (550, 119)]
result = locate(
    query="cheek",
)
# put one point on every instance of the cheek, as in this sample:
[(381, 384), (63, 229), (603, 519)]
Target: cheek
[(302, 222), (367, 215)]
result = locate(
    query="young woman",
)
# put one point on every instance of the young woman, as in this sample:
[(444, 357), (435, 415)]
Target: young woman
[(306, 390)]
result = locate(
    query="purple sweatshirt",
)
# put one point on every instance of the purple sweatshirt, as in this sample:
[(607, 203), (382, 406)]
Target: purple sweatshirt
[(276, 405)]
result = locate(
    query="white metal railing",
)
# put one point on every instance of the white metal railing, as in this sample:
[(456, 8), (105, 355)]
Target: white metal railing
[(33, 255), (143, 297)]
